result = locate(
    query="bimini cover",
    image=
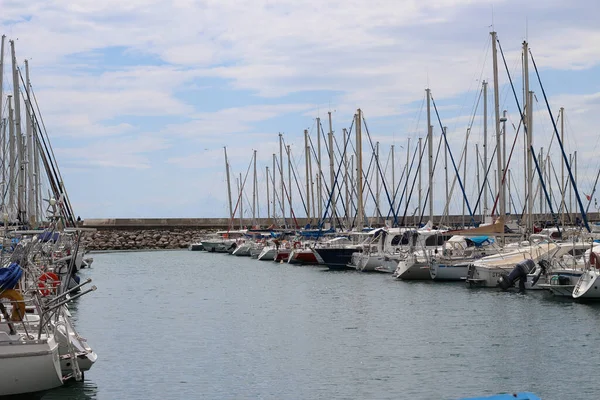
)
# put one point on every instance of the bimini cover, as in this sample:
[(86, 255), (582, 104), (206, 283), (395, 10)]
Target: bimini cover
[(479, 241), (9, 276), (48, 236)]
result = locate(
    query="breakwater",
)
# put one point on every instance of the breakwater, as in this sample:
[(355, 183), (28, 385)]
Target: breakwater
[(176, 233)]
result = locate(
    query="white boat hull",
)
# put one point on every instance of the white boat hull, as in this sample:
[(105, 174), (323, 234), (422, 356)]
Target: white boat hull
[(413, 270), (448, 271), (27, 367), (267, 254), (588, 286)]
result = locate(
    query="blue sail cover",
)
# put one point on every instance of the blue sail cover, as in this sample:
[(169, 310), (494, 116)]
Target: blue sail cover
[(479, 241), (9, 276), (315, 233)]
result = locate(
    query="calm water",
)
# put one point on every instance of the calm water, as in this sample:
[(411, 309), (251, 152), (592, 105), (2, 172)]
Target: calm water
[(183, 325)]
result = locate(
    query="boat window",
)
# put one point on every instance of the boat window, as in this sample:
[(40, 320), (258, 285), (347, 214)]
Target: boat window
[(576, 252), (396, 239), (431, 240)]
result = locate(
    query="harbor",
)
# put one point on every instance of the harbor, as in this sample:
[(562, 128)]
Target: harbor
[(216, 217)]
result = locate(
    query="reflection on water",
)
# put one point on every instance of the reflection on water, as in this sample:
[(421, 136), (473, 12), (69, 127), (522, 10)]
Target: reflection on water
[(182, 325)]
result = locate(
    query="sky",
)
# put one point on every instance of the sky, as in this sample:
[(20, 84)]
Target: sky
[(140, 97)]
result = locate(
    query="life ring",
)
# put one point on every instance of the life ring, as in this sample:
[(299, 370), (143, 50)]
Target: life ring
[(594, 260), (18, 305), (45, 289), (297, 245)]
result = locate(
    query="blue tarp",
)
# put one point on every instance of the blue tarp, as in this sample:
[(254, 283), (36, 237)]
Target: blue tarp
[(9, 276), (315, 233), (479, 241), (48, 236)]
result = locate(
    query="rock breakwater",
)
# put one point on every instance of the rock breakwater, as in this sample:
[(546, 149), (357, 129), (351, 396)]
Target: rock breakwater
[(142, 239)]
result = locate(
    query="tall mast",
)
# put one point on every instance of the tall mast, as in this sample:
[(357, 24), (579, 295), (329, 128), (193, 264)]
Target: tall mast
[(407, 164), (393, 185), (1, 76), (331, 172), (319, 181), (2, 124), (497, 128), (530, 156), (29, 152), (359, 173), (268, 197), (377, 188), (529, 131), (308, 174), (347, 188), (274, 174), (254, 190), (504, 166), (282, 198), (228, 185), (11, 158), (478, 167), (18, 133), (465, 176), (562, 168), (446, 169), (241, 194), (485, 134), (289, 157), (420, 169), (430, 151)]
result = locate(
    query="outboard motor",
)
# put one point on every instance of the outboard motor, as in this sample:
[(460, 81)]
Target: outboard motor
[(544, 266), (519, 273)]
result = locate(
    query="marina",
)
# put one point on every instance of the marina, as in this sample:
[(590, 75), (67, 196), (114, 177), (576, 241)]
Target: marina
[(263, 227)]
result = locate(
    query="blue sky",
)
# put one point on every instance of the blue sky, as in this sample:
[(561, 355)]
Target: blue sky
[(140, 98)]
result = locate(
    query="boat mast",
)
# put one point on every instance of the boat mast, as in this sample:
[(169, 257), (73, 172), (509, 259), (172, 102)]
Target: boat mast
[(504, 166), (347, 188), (485, 155), (289, 155), (19, 134), (446, 167), (562, 168), (228, 185), (282, 198), (407, 171), (420, 169), (529, 132), (318, 173), (11, 158), (464, 175), (430, 151), (2, 123), (377, 186), (497, 126), (241, 194), (331, 172), (542, 168), (308, 173), (30, 152), (254, 191), (274, 174), (393, 185), (268, 197), (478, 178), (359, 172)]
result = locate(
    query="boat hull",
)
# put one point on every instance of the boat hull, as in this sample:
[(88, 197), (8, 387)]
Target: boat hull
[(409, 270), (302, 256), (336, 258), (27, 367), (448, 271)]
